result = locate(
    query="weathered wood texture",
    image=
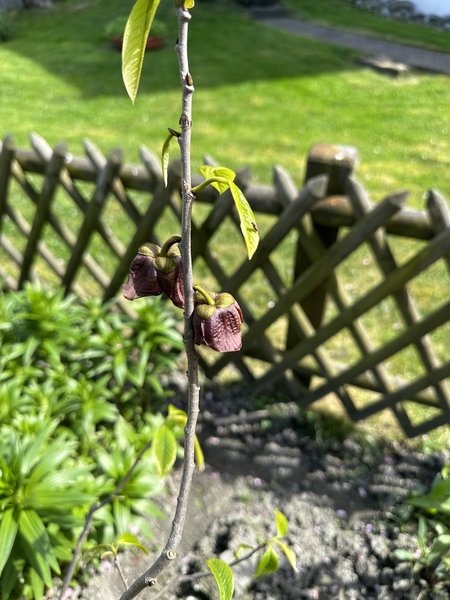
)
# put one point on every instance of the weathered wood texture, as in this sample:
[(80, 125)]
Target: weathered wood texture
[(77, 222)]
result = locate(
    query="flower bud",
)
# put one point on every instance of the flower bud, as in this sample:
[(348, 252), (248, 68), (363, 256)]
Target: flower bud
[(142, 278), (217, 321)]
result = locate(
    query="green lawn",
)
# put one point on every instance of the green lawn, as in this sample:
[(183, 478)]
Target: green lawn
[(342, 14), (262, 98), (62, 80)]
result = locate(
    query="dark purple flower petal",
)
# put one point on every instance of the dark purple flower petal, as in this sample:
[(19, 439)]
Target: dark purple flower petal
[(219, 327), (142, 278)]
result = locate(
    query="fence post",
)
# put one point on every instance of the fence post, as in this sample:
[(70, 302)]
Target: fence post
[(338, 163)]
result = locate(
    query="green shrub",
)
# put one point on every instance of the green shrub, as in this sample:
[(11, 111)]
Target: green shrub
[(83, 363), (7, 26), (69, 373)]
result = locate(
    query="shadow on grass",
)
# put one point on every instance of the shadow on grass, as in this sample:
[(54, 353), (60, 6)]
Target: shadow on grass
[(226, 47)]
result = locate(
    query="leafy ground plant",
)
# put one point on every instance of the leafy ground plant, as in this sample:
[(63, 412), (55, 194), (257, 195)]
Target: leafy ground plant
[(432, 559), (68, 371), (44, 492)]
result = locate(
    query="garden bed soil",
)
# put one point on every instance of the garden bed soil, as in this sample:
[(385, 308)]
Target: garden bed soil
[(344, 500)]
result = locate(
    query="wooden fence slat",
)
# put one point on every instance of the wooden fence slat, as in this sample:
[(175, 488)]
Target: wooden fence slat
[(322, 269), (307, 197), (313, 191), (263, 343), (42, 249), (300, 325), (144, 233), (408, 391), (64, 233), (8, 149), (409, 336), (388, 264), (44, 151), (12, 251), (439, 214), (333, 211), (435, 249), (42, 211), (117, 188), (338, 163), (302, 353), (336, 211), (92, 215), (364, 381)]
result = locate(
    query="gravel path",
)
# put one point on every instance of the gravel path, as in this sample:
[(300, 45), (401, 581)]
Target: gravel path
[(419, 58)]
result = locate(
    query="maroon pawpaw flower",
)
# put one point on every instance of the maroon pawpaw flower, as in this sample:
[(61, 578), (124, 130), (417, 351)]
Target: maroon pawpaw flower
[(155, 270), (217, 321), (142, 278), (169, 271)]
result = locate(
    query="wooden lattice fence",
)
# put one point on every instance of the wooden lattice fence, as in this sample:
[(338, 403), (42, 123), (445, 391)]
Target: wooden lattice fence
[(330, 298)]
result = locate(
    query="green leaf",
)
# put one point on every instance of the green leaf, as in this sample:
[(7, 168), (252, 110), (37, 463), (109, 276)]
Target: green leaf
[(209, 172), (164, 448), (403, 555), (268, 563), (37, 584), (247, 219), (8, 532), (421, 533), (199, 457), (439, 547), (224, 577), (37, 545), (11, 574), (122, 515), (288, 552), (120, 367), (45, 497), (165, 156), (176, 416), (240, 549), (134, 42), (128, 539), (281, 523)]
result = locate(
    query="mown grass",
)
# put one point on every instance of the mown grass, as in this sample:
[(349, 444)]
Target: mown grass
[(256, 108), (343, 14), (261, 99)]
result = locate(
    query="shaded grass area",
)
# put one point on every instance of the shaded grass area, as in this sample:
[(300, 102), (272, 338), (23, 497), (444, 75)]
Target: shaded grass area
[(343, 14), (261, 98)]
